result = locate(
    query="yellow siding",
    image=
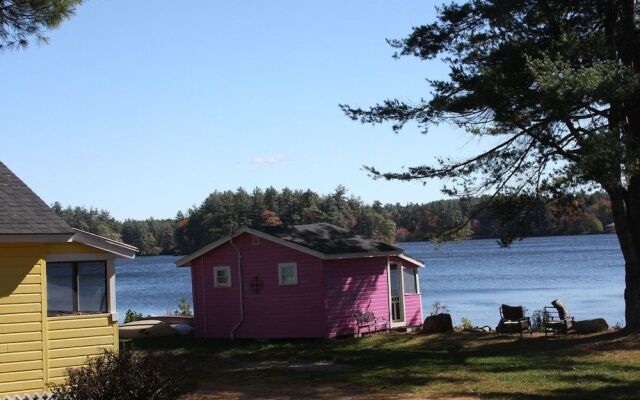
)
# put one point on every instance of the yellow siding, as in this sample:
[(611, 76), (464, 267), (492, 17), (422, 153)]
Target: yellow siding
[(66, 248), (21, 320), (72, 340), (34, 349)]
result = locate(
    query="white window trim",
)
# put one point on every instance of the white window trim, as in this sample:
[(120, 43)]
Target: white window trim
[(111, 272), (283, 265), (215, 276)]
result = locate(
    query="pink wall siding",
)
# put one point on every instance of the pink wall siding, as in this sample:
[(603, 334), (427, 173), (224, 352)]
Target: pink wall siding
[(354, 285), (282, 311), (276, 311), (217, 309), (198, 315), (322, 304), (413, 309)]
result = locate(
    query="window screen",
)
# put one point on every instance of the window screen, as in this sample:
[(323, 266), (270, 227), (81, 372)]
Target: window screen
[(410, 280), (288, 274), (77, 287), (61, 287), (222, 277), (92, 290)]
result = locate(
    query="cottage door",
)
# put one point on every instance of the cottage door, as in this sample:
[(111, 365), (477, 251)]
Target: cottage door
[(397, 297)]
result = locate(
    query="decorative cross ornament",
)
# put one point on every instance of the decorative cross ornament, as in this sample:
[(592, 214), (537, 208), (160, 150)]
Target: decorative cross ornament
[(256, 284)]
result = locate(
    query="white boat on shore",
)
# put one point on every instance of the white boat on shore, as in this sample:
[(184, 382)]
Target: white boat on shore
[(156, 327)]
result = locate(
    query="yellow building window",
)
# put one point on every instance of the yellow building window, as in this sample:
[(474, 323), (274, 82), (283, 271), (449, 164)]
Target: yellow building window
[(77, 287)]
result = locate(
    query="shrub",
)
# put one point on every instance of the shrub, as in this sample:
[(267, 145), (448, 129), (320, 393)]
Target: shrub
[(131, 316), (466, 324), (184, 308), (125, 375), (537, 320)]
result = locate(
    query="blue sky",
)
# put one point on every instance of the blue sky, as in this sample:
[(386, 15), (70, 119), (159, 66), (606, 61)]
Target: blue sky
[(145, 107)]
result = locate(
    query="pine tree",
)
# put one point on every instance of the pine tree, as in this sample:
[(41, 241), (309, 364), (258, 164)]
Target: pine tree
[(557, 84)]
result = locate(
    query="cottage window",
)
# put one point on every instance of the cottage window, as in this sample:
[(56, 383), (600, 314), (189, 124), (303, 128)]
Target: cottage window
[(410, 280), (222, 277), (77, 287), (288, 274)]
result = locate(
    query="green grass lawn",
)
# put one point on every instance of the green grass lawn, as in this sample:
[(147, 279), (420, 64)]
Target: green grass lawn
[(604, 366)]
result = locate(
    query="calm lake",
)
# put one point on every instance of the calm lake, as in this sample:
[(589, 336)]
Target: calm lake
[(472, 278)]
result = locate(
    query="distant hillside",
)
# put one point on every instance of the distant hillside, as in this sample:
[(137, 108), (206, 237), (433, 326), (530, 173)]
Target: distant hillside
[(221, 212)]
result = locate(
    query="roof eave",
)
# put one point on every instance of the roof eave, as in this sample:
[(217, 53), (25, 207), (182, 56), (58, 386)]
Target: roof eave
[(100, 242), (36, 238), (412, 260), (343, 256), (184, 261), (398, 254)]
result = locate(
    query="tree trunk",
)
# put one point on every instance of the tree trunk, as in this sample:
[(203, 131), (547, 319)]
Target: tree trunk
[(625, 206), (623, 44)]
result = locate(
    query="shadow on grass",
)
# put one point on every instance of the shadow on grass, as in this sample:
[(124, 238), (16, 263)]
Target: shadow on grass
[(445, 365), (629, 391)]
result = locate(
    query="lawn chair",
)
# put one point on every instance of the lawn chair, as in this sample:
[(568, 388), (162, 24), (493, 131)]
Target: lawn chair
[(557, 319), (512, 320), (368, 320)]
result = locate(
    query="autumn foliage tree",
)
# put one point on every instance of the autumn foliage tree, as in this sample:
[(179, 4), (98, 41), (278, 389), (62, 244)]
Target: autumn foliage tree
[(556, 85), (223, 212)]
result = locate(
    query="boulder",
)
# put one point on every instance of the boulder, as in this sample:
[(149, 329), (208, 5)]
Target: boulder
[(591, 326), (481, 330), (439, 323)]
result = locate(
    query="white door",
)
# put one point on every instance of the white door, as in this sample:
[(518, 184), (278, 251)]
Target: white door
[(397, 295)]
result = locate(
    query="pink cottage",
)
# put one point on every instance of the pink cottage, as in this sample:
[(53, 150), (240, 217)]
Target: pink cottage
[(302, 281)]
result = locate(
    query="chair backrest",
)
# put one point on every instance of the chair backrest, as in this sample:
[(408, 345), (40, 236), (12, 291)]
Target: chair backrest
[(364, 316), (563, 313), (512, 313)]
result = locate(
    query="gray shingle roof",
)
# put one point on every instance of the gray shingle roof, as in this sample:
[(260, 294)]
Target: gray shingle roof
[(22, 212), (327, 239)]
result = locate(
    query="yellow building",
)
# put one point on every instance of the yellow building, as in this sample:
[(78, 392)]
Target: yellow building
[(57, 292)]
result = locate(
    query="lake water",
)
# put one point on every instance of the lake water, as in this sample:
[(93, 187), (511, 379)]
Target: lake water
[(472, 278)]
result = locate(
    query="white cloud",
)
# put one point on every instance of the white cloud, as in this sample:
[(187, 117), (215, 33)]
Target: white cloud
[(268, 160)]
